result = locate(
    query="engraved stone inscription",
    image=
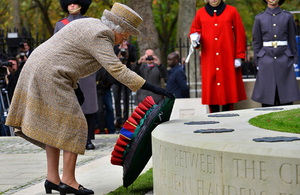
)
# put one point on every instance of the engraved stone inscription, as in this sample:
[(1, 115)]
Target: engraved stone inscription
[(179, 170), (289, 173), (209, 188), (203, 163), (249, 169)]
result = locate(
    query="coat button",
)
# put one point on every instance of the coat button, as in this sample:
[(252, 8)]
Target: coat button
[(217, 54), (217, 68), (274, 24), (275, 36), (274, 14), (218, 84), (216, 24), (275, 58), (216, 39)]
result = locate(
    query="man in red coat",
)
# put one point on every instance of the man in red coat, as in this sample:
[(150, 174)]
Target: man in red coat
[(223, 44)]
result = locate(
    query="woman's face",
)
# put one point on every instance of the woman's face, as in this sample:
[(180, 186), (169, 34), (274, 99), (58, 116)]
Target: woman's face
[(119, 38), (214, 3)]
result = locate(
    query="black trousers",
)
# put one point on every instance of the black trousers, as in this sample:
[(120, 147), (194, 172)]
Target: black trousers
[(120, 91), (90, 119), (216, 108)]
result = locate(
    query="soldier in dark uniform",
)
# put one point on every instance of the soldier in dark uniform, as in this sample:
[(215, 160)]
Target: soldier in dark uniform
[(275, 54), (74, 14)]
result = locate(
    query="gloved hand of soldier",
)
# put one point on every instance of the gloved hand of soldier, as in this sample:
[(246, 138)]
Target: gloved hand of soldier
[(157, 90), (195, 39)]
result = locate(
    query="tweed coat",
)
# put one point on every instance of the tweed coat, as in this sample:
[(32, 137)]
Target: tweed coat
[(275, 65), (222, 41), (44, 109), (87, 84)]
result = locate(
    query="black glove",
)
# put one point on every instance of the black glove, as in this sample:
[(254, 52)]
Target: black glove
[(157, 90)]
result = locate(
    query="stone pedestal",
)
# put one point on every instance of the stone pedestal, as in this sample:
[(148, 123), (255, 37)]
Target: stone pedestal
[(228, 163)]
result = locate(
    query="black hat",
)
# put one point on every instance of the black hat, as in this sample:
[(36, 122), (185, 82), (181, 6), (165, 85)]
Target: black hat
[(280, 2), (83, 3)]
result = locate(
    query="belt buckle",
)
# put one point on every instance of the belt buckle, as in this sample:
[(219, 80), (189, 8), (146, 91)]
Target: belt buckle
[(274, 44)]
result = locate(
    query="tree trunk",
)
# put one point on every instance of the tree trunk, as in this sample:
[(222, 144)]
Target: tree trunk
[(186, 14), (17, 17), (44, 7), (148, 39)]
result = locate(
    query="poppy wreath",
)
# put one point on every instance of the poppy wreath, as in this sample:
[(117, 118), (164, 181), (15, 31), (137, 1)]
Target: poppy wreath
[(128, 129), (133, 148)]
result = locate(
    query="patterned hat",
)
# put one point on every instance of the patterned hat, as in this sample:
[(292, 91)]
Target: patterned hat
[(124, 16), (85, 4), (280, 1)]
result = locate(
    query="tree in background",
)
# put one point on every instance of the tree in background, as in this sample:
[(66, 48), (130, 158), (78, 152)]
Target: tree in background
[(17, 19), (148, 39), (165, 18)]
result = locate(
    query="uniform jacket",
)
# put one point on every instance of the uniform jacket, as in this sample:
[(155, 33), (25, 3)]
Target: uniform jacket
[(44, 109), (59, 25), (223, 40), (87, 84), (176, 82), (152, 75), (275, 65)]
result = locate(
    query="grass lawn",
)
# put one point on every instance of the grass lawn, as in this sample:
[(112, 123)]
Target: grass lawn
[(285, 121), (142, 185)]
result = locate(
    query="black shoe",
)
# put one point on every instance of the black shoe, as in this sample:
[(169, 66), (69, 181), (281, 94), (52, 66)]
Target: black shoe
[(49, 186), (89, 145), (65, 189)]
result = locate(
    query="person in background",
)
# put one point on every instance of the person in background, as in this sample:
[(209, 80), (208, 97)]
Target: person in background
[(105, 113), (275, 53), (4, 130), (45, 109), (219, 30), (150, 68), (22, 58), (13, 73), (24, 48), (76, 9), (248, 66), (181, 61), (176, 80), (120, 91)]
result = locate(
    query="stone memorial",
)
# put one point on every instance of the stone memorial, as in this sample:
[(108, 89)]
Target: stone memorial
[(229, 163)]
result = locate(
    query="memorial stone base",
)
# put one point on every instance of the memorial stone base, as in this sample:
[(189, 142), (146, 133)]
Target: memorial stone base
[(224, 163)]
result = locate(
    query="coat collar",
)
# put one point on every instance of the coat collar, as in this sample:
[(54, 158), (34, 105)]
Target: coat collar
[(275, 10), (220, 8), (70, 18)]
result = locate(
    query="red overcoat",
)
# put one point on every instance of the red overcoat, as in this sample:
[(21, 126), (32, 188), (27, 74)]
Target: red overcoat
[(223, 40)]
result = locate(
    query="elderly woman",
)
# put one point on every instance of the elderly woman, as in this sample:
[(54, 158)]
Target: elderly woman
[(45, 110)]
